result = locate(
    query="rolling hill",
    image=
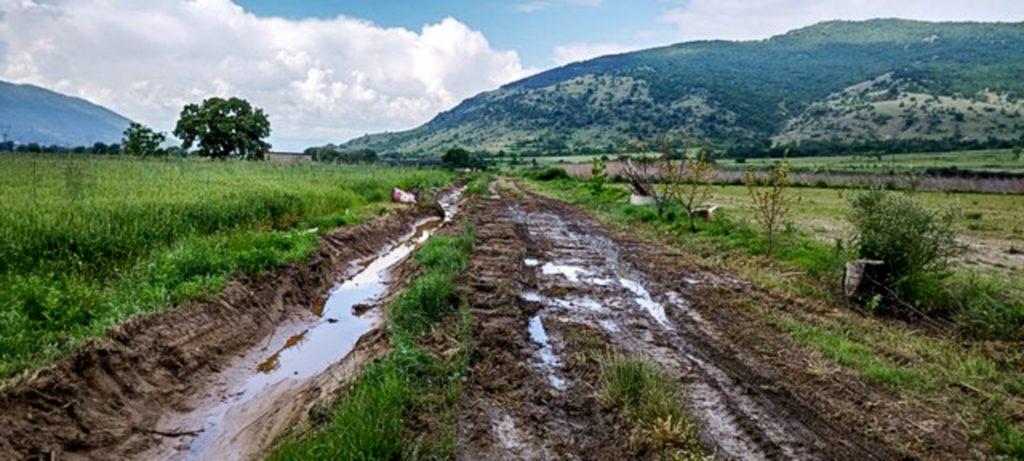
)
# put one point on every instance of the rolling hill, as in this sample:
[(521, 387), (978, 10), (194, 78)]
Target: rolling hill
[(30, 114), (841, 82)]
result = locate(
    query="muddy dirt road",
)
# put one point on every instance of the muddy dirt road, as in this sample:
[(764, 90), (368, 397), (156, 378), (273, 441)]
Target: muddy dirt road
[(547, 285), (543, 272)]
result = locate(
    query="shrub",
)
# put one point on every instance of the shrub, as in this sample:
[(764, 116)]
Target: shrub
[(550, 174), (914, 242)]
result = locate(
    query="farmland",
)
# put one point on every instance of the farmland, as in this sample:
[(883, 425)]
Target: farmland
[(86, 242)]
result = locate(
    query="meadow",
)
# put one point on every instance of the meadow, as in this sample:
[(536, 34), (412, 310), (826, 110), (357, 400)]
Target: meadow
[(995, 160), (86, 242)]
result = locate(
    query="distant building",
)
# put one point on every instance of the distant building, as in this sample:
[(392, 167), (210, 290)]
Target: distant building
[(288, 157)]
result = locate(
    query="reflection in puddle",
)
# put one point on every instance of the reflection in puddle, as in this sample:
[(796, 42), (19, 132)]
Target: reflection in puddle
[(572, 273), (531, 262), (531, 297), (643, 298), (585, 303), (326, 342), (547, 355)]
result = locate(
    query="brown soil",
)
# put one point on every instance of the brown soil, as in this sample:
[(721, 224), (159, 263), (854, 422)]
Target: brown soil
[(756, 394), (508, 409), (106, 401)]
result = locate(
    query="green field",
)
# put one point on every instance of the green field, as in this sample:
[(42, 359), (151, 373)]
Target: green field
[(822, 212), (979, 160), (86, 242)]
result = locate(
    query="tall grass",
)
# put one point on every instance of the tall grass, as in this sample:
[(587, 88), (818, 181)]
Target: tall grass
[(87, 241), (372, 420)]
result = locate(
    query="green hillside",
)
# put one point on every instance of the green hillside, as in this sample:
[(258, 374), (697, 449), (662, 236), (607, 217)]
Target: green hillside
[(871, 81), (30, 114)]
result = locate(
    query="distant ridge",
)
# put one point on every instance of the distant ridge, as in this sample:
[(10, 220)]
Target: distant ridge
[(30, 114), (864, 82)]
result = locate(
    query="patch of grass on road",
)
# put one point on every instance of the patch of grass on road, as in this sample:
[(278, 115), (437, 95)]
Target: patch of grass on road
[(403, 405), (649, 399)]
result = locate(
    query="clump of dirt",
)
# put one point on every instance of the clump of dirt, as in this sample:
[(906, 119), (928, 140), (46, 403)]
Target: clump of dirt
[(105, 400)]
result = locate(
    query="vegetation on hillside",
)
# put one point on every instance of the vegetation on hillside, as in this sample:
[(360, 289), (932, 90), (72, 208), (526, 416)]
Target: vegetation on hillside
[(33, 115), (835, 82)]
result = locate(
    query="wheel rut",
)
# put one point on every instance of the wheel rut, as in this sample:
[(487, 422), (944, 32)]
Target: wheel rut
[(542, 268)]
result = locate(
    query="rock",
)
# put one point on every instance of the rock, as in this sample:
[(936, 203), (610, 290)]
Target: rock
[(636, 199), (861, 278), (401, 196)]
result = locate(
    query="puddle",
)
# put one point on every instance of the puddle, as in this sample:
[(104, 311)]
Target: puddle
[(531, 297), (306, 355), (643, 298), (585, 303), (572, 273), (547, 354), (531, 262)]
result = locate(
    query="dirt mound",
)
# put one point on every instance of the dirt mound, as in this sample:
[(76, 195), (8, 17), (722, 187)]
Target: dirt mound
[(104, 401)]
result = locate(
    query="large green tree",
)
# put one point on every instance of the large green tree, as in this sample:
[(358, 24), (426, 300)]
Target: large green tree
[(224, 128), (141, 141)]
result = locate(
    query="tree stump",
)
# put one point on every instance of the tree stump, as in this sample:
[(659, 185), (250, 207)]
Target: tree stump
[(861, 278)]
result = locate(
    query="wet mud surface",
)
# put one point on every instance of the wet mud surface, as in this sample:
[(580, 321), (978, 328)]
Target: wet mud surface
[(221, 379), (543, 271)]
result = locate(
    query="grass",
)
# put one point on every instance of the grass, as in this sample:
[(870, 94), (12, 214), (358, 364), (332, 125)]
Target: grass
[(822, 212), (981, 381), (403, 405), (86, 242), (981, 160), (648, 399)]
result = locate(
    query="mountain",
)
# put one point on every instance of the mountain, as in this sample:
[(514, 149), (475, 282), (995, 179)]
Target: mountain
[(30, 114), (871, 81)]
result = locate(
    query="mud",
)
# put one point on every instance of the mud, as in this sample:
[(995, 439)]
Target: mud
[(543, 270), (136, 393)]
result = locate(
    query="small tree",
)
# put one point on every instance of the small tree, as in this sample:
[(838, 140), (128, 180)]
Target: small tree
[(598, 176), (224, 128), (457, 157), (141, 141), (772, 203), (689, 182)]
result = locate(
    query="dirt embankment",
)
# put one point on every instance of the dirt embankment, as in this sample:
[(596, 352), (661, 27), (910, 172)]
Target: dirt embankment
[(105, 401), (543, 271)]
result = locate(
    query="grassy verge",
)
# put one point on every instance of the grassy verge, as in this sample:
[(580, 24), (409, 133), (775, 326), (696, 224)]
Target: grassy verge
[(403, 405), (648, 399), (86, 242), (978, 380)]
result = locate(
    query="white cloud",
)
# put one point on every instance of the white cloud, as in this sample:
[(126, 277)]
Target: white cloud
[(320, 80), (745, 19), (574, 52)]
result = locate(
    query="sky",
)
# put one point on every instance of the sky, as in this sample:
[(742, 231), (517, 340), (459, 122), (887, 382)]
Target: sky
[(330, 70)]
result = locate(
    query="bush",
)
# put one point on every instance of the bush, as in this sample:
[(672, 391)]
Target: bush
[(550, 174), (914, 242)]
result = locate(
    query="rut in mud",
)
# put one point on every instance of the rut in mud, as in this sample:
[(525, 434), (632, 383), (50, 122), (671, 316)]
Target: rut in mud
[(221, 380), (543, 271)]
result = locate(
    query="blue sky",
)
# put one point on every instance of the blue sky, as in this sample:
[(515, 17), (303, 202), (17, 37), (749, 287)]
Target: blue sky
[(330, 70)]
